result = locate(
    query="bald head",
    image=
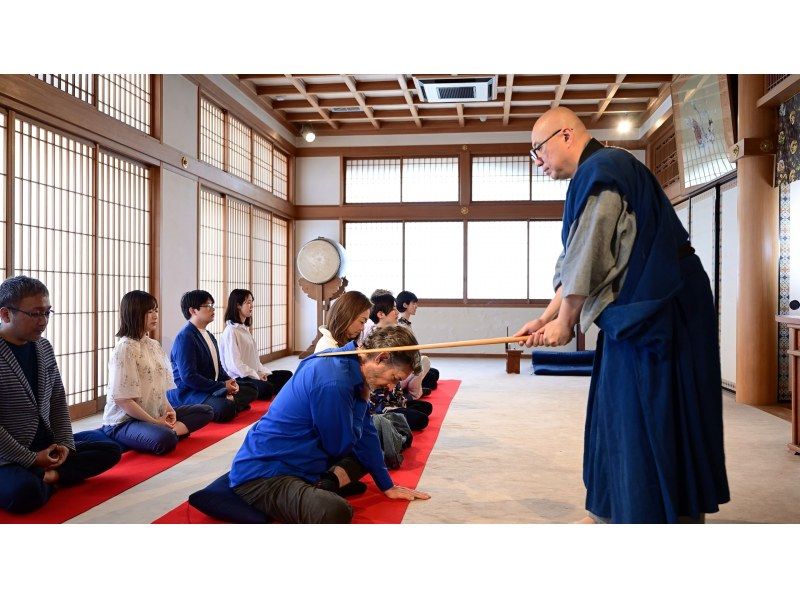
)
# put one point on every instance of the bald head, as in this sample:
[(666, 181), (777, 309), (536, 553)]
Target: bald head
[(559, 137)]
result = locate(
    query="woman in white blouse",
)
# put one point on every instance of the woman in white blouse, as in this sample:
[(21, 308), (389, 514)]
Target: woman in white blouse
[(345, 322), (137, 414), (238, 351)]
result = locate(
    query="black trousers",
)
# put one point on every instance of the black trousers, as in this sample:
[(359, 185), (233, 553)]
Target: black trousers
[(22, 489), (294, 500)]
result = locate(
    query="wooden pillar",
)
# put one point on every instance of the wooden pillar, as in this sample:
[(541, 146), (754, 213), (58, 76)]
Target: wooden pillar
[(756, 333)]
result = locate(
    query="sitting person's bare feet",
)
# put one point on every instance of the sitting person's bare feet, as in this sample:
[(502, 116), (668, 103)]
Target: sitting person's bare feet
[(586, 519), (50, 476)]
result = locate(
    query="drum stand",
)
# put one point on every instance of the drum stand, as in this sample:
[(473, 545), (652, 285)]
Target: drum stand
[(323, 294)]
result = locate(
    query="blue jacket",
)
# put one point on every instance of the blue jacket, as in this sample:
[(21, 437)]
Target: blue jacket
[(318, 417), (193, 368)]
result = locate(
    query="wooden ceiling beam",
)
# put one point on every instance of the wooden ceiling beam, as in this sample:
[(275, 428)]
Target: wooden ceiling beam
[(275, 90), (612, 89), (533, 96), (301, 87), (648, 79), (593, 79), (365, 86), (351, 84), (249, 77), (560, 91), (460, 108), (507, 99), (401, 79), (536, 80)]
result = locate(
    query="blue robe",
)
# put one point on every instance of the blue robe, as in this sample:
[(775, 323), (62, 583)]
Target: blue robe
[(653, 447)]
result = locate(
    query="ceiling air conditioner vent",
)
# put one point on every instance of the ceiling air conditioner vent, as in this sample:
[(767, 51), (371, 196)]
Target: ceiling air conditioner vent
[(457, 89), (346, 109)]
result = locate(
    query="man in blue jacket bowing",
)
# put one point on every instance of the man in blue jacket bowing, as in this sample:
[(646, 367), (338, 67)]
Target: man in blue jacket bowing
[(653, 448), (317, 439)]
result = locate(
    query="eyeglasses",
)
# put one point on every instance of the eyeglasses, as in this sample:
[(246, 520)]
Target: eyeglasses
[(208, 305), (36, 315), (535, 151)]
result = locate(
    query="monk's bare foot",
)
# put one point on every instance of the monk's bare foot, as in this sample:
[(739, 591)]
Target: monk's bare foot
[(586, 519)]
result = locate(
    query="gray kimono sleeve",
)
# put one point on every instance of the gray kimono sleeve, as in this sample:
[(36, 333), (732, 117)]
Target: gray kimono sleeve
[(595, 260)]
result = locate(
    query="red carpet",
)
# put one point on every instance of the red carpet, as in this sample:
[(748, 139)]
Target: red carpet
[(372, 506), (132, 469)]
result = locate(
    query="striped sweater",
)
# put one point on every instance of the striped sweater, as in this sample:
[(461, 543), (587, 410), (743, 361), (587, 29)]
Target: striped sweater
[(20, 410)]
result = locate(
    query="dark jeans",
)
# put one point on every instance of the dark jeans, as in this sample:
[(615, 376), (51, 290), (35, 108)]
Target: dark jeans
[(264, 388), (22, 489), (157, 439), (294, 500), (225, 410), (278, 378), (431, 379), (416, 419)]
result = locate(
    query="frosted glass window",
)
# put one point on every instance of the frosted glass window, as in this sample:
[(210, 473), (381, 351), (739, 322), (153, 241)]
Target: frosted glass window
[(372, 181), (543, 188), (544, 249), (374, 256), (434, 259), (497, 267), (728, 282), (501, 178), (430, 179)]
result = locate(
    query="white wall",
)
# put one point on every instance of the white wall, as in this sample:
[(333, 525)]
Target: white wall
[(317, 181), (442, 324), (178, 250), (305, 308), (180, 114)]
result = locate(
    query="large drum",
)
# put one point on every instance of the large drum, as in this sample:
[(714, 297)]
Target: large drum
[(321, 260)]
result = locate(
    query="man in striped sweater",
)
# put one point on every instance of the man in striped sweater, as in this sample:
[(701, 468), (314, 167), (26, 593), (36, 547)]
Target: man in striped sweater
[(37, 449)]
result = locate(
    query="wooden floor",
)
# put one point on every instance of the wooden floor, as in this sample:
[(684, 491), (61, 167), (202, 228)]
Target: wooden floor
[(510, 451)]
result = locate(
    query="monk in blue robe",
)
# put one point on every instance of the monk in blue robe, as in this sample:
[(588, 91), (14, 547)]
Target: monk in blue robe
[(653, 446)]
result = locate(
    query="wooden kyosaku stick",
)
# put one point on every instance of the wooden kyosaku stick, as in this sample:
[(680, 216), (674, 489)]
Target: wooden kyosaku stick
[(478, 341)]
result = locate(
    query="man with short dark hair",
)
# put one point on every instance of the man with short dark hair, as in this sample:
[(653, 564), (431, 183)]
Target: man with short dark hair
[(653, 449), (318, 439), (196, 366), (37, 449)]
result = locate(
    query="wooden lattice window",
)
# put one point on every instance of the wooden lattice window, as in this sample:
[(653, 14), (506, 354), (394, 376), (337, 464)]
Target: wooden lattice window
[(212, 134), (79, 86), (501, 178), (237, 275), (262, 276), (212, 252), (239, 148), (279, 283), (280, 175), (123, 246), (3, 180), (54, 224), (262, 162), (543, 188), (126, 98), (430, 179), (664, 159)]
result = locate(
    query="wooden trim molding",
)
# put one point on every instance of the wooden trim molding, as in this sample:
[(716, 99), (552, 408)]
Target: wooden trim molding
[(424, 212)]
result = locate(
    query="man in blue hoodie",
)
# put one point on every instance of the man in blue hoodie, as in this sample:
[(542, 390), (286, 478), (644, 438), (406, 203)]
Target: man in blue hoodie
[(317, 439), (653, 448)]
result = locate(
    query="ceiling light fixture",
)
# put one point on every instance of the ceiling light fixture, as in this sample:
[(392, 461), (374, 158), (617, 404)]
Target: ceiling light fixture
[(624, 125), (307, 133)]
